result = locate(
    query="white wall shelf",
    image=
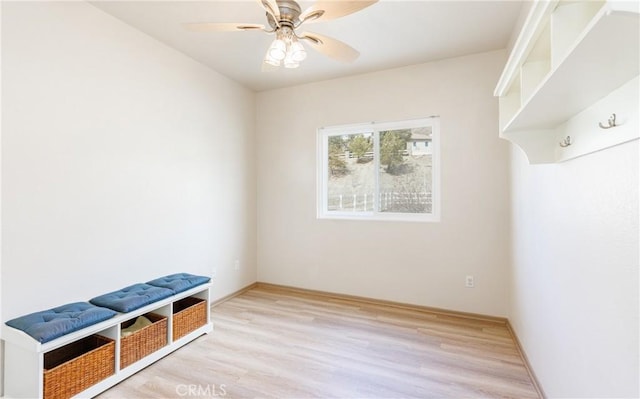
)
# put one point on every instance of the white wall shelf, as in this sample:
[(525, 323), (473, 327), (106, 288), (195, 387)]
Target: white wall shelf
[(572, 58), (24, 356)]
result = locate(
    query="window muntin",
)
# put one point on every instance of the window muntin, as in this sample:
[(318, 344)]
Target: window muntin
[(379, 171)]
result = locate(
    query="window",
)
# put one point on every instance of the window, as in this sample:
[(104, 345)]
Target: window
[(378, 171)]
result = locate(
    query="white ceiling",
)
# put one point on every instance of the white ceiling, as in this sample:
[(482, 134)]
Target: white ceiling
[(388, 34)]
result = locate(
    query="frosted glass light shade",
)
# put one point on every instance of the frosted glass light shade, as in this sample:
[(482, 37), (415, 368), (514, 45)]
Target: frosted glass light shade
[(278, 50), (289, 62), (297, 52), (271, 61)]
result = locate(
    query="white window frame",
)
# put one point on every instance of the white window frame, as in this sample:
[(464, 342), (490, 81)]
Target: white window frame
[(322, 168)]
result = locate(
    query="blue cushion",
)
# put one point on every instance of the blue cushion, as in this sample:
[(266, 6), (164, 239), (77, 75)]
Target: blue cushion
[(50, 324), (132, 297), (180, 281)]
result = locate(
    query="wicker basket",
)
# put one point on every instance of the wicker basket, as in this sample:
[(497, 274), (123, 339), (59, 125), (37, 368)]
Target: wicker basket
[(144, 341), (75, 367), (189, 314)]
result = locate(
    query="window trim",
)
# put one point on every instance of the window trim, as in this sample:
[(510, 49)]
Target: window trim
[(322, 170)]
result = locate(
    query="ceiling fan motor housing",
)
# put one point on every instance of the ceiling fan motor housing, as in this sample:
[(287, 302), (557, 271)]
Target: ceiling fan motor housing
[(289, 14)]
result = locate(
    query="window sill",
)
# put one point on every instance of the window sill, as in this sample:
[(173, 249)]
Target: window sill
[(382, 217)]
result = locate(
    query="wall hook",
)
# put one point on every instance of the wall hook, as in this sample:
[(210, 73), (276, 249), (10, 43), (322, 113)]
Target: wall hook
[(566, 142), (611, 122)]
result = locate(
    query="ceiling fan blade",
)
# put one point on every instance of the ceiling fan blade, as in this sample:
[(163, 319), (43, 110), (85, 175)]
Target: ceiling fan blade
[(221, 27), (325, 10), (271, 7), (330, 47)]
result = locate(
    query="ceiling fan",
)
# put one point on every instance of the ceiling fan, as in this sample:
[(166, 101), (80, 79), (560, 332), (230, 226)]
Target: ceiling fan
[(284, 18)]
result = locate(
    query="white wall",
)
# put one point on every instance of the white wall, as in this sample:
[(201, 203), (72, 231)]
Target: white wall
[(1, 341), (574, 291), (122, 160), (419, 263)]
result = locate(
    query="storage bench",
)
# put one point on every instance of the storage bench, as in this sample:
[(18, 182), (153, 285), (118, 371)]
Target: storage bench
[(85, 361)]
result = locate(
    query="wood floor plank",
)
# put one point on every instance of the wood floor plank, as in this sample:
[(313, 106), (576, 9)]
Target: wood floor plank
[(270, 343)]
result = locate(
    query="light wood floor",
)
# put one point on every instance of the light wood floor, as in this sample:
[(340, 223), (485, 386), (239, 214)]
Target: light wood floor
[(271, 343)]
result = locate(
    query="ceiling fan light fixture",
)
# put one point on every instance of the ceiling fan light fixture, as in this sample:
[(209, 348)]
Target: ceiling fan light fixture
[(285, 49)]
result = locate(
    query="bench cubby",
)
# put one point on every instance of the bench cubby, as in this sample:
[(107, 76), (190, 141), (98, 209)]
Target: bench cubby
[(144, 341), (74, 367), (189, 314), (31, 367)]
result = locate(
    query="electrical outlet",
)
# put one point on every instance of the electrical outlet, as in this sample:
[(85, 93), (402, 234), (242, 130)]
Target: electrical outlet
[(468, 282), (236, 265)]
